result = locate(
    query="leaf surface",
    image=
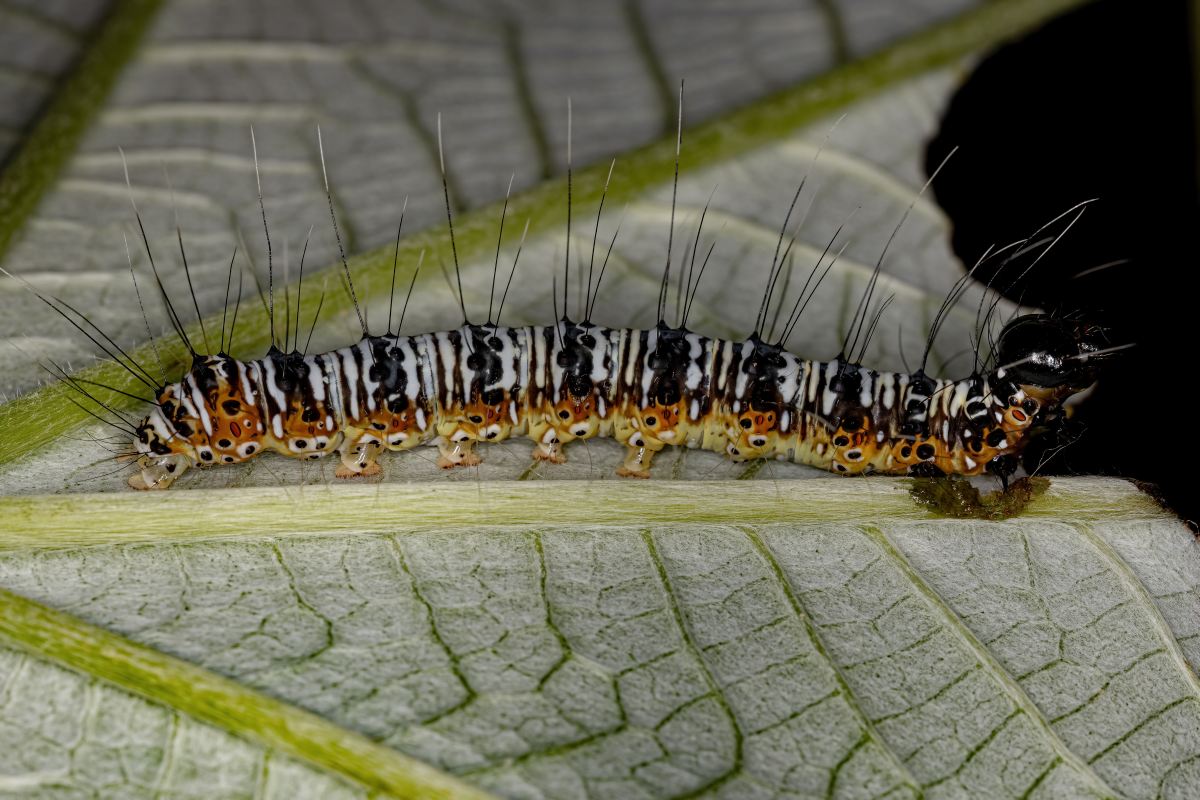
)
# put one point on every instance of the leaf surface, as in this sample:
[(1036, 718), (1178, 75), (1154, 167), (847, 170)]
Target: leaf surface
[(859, 648), (535, 631)]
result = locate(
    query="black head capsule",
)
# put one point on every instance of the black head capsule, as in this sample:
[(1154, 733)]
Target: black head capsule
[(1040, 350)]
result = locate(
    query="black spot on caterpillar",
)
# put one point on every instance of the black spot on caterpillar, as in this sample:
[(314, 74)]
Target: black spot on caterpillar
[(646, 388)]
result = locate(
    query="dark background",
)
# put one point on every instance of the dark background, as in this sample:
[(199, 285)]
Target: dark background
[(1098, 103)]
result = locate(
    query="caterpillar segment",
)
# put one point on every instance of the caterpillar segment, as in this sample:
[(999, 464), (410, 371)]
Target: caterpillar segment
[(647, 389), (570, 387)]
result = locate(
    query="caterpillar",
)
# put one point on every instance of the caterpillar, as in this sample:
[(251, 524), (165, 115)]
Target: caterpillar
[(648, 389)]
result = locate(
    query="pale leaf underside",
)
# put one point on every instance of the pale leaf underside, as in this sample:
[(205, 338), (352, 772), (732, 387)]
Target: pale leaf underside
[(694, 636)]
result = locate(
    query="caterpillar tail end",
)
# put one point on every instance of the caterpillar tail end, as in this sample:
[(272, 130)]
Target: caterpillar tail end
[(158, 473)]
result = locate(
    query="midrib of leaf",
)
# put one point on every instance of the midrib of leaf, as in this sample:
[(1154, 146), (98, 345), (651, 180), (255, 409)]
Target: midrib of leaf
[(39, 417), (218, 701), (76, 520), (61, 124)]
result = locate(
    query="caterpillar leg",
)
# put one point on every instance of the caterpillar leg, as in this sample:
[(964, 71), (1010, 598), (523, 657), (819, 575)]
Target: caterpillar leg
[(565, 421), (551, 452), (158, 473), (457, 454), (357, 451), (344, 471), (638, 455), (548, 443), (359, 461), (637, 463), (455, 445)]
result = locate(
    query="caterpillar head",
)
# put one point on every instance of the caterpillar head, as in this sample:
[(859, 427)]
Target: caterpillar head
[(1048, 353)]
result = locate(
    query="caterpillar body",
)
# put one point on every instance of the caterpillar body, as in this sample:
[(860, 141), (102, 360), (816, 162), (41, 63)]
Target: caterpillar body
[(647, 389)]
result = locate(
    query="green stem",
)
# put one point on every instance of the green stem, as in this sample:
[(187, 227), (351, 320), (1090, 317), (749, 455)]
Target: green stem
[(208, 697), (40, 417), (77, 520)]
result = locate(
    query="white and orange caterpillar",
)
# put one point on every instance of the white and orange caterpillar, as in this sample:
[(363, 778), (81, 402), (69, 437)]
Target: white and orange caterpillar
[(647, 389)]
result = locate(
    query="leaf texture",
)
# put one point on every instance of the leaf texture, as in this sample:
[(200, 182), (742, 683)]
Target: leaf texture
[(732, 631), (838, 655)]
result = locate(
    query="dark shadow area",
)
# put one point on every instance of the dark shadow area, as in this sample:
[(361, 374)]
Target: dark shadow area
[(1097, 104)]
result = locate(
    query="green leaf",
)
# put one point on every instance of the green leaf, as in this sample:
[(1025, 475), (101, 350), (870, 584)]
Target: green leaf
[(265, 631), (68, 730), (74, 249), (670, 638), (38, 72)]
